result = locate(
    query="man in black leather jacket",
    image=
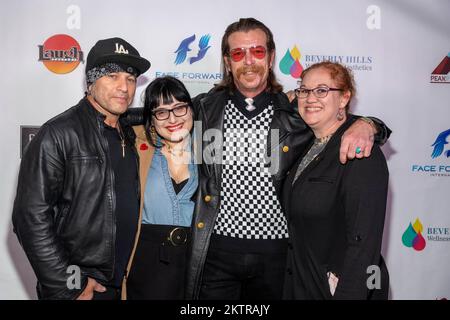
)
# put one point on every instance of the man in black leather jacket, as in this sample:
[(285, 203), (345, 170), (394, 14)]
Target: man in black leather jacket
[(77, 203), (239, 231)]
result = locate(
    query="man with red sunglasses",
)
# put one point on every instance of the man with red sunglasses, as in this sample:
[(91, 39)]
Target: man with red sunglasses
[(240, 236)]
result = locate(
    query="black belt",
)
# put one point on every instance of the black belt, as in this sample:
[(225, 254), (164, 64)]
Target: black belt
[(178, 236), (166, 235)]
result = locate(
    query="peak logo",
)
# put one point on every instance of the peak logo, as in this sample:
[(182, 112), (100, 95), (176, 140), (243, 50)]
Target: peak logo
[(412, 237), (290, 64), (60, 54), (184, 48), (441, 73)]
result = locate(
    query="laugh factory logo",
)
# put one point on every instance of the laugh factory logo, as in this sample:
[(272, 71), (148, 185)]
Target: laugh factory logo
[(441, 73), (60, 54), (184, 49), (412, 237), (290, 63)]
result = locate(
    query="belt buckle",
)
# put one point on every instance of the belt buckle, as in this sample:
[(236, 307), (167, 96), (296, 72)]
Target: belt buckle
[(177, 236)]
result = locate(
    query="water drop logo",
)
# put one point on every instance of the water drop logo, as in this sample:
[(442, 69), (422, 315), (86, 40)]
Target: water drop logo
[(290, 64), (412, 237)]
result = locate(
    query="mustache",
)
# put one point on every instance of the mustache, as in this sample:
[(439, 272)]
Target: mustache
[(252, 68)]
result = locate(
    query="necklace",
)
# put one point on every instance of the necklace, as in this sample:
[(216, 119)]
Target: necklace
[(174, 151), (122, 139), (320, 141)]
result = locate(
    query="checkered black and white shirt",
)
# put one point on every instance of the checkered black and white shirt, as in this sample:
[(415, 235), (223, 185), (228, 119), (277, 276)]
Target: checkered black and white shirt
[(249, 206)]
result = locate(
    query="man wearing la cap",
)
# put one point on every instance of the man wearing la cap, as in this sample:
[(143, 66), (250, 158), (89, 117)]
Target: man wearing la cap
[(77, 203)]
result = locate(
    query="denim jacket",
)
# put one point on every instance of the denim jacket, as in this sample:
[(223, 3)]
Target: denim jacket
[(161, 204)]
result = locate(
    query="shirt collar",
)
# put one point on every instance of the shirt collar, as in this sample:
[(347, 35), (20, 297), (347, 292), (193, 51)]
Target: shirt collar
[(261, 102)]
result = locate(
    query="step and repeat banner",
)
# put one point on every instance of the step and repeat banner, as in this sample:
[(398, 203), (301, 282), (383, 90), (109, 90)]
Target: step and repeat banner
[(399, 51)]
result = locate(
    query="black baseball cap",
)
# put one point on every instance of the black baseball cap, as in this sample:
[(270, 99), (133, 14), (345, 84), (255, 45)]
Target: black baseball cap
[(116, 50)]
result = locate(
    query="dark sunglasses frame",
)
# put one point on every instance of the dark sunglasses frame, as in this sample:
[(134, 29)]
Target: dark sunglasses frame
[(315, 92), (167, 112)]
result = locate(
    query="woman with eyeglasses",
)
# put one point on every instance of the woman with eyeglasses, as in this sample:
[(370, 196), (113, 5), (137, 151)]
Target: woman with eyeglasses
[(169, 180), (335, 212)]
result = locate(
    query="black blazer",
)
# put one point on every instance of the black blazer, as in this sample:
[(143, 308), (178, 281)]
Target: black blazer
[(335, 216)]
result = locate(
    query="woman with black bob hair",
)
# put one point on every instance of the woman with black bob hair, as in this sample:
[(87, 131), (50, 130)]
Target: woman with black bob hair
[(168, 179)]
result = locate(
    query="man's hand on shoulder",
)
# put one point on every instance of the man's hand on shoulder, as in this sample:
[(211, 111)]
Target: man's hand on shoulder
[(357, 141)]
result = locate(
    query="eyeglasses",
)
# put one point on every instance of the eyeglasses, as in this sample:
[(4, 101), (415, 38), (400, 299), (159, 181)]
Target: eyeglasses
[(164, 114), (237, 54), (319, 92)]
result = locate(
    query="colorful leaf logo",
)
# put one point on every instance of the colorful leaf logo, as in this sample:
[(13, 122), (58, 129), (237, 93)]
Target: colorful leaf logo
[(290, 64), (412, 237)]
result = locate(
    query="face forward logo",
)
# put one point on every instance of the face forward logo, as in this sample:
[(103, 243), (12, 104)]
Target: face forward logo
[(412, 237), (440, 154), (439, 144), (441, 73), (184, 48)]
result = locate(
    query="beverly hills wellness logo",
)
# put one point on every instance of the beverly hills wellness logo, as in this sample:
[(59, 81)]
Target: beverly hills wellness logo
[(416, 235), (412, 237), (294, 61), (290, 63)]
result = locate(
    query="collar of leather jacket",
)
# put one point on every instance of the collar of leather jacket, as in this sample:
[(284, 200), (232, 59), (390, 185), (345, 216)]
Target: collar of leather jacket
[(100, 119)]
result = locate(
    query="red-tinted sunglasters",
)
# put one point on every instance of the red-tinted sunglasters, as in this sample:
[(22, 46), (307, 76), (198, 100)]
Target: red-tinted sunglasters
[(237, 54)]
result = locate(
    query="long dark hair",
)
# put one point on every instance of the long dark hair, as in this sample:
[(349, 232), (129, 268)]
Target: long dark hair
[(246, 25), (162, 91)]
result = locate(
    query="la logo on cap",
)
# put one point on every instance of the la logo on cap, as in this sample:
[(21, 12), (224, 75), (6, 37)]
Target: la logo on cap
[(120, 49)]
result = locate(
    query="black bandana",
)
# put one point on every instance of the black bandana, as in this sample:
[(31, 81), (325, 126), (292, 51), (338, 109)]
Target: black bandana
[(107, 68)]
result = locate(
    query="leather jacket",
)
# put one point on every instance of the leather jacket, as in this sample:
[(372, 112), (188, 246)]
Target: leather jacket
[(293, 137), (64, 208)]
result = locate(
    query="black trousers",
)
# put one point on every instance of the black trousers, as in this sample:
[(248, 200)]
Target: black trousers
[(111, 293), (159, 266), (243, 276)]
